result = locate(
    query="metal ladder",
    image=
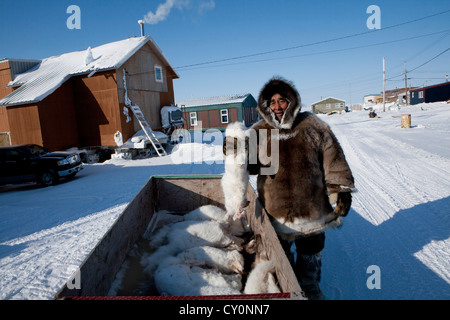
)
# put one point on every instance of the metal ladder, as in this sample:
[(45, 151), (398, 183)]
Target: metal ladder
[(148, 131), (144, 124)]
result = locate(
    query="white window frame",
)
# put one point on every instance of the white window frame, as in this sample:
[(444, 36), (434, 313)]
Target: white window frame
[(339, 105), (421, 94), (222, 114), (193, 118), (328, 106), (159, 71)]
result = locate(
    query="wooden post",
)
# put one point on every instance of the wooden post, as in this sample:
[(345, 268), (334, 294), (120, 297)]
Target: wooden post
[(406, 121)]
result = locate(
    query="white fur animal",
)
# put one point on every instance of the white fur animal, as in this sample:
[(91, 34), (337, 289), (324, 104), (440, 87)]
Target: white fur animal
[(160, 219), (174, 278), (206, 212), (188, 234), (261, 279), (235, 179), (158, 237), (226, 261), (210, 212)]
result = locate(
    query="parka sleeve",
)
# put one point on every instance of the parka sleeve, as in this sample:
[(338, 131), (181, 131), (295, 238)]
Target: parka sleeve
[(338, 176)]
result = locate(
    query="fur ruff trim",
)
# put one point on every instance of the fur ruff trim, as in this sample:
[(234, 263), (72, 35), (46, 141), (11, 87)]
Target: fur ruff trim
[(286, 89), (303, 227)]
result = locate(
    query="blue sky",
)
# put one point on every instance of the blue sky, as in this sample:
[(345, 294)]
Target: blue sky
[(302, 34)]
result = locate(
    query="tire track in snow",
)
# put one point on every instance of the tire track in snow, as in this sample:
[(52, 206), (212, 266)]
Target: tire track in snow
[(386, 176), (389, 176), (37, 268)]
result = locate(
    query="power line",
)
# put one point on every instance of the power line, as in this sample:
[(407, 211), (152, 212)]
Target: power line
[(313, 43), (430, 60), (321, 52), (439, 54)]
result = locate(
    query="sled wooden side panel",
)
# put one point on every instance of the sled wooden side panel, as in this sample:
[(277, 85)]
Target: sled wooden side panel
[(260, 224), (185, 195), (99, 269)]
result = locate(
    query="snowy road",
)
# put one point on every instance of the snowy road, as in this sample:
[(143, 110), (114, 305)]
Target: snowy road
[(399, 220)]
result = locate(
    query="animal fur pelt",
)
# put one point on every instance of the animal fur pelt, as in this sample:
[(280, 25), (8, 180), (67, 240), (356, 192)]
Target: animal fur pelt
[(206, 212), (157, 235), (261, 279), (175, 278), (173, 239), (226, 261), (213, 213), (235, 179)]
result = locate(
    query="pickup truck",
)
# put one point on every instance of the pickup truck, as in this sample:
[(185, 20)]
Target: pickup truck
[(34, 163)]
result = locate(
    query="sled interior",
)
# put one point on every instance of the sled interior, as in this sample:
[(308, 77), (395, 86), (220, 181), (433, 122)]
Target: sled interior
[(179, 194)]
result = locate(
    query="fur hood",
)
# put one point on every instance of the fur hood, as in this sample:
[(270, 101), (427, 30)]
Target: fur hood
[(287, 90)]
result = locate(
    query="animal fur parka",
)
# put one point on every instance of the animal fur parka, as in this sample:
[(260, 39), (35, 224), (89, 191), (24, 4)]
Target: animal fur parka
[(311, 166)]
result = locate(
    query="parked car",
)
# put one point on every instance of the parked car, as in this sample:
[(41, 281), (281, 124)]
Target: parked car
[(33, 163)]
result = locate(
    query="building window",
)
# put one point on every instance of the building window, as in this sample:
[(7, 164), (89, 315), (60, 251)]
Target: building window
[(158, 74), (339, 105), (328, 106), (420, 94), (224, 116), (193, 118)]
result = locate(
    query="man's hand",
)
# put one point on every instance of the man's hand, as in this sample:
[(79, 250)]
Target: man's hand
[(344, 202)]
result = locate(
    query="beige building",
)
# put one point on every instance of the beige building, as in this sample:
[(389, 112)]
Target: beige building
[(328, 105)]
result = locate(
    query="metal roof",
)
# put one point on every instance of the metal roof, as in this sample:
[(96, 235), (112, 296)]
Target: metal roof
[(47, 76)]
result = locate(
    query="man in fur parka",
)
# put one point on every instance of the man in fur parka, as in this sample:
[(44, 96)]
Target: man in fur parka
[(311, 170)]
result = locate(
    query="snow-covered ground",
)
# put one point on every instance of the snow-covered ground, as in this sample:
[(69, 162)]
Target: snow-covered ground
[(399, 220)]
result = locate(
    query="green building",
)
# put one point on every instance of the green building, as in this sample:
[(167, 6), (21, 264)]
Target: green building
[(218, 112)]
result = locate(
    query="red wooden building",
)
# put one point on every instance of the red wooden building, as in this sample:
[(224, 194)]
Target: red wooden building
[(77, 99)]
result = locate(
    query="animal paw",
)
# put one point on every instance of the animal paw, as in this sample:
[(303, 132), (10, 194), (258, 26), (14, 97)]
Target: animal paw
[(239, 214)]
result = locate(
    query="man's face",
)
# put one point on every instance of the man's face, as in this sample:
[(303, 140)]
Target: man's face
[(278, 104)]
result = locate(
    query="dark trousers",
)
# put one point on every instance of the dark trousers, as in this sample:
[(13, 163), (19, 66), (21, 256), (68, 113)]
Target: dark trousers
[(307, 264), (306, 245)]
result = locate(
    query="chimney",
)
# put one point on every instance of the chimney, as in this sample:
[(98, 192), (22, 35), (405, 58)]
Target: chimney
[(141, 22)]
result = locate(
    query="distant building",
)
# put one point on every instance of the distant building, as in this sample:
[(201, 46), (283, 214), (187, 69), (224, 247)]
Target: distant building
[(218, 112), (438, 92), (328, 105), (373, 98), (397, 95)]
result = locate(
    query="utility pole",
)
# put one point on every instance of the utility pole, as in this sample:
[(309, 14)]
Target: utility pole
[(406, 87), (384, 85)]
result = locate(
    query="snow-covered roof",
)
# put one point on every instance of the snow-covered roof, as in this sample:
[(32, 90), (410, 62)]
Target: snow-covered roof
[(234, 98), (326, 99), (48, 75), (372, 95)]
